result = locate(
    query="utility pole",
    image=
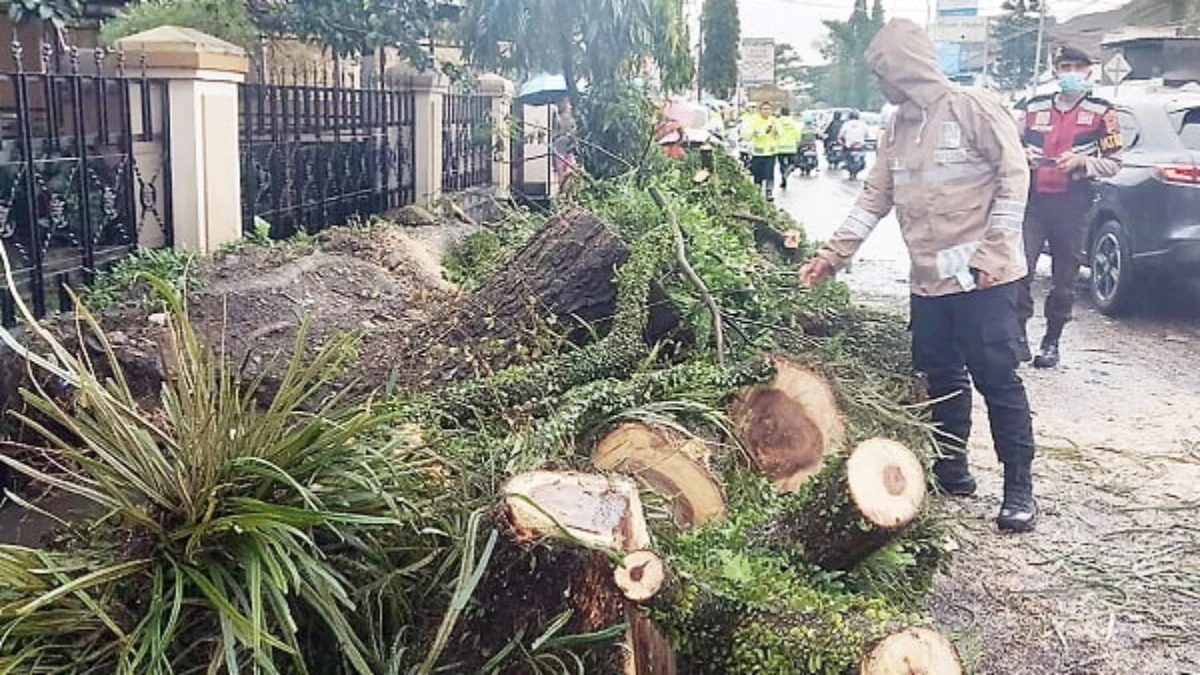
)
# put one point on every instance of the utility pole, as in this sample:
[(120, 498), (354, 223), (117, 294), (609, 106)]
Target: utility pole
[(700, 59), (987, 42), (1041, 37)]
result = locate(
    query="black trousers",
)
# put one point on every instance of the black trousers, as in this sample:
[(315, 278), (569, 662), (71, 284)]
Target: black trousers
[(968, 338), (1060, 220)]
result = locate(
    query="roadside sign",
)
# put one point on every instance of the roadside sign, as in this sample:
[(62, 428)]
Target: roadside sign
[(957, 7), (1117, 69), (959, 29), (757, 64)]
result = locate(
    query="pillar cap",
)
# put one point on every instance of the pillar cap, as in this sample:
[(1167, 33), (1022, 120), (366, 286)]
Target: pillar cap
[(177, 48), (490, 83)]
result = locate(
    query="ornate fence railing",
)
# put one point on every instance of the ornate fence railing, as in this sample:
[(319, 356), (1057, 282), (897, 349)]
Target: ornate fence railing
[(84, 171), (467, 142), (317, 154)]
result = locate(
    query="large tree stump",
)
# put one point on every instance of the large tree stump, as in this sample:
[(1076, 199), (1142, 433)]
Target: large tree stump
[(913, 651), (667, 463), (856, 505), (788, 424)]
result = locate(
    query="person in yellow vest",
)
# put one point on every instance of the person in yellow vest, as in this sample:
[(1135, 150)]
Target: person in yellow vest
[(789, 145), (762, 134)]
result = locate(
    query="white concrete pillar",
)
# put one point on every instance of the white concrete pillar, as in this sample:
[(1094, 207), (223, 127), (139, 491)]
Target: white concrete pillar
[(429, 97), (203, 74), (501, 92)]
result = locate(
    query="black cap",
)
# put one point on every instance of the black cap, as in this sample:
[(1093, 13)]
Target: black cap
[(1067, 53)]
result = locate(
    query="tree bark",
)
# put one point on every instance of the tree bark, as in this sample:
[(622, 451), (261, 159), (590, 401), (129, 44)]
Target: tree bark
[(788, 424), (856, 505)]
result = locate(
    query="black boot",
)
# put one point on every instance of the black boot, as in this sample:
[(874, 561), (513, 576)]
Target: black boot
[(952, 474), (1049, 356), (1023, 353), (1019, 511)]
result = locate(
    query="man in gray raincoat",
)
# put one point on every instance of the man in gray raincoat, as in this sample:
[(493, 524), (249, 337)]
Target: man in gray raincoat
[(953, 168)]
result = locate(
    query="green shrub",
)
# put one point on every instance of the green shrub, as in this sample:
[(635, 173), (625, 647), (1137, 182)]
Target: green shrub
[(229, 20), (236, 532), (125, 282)]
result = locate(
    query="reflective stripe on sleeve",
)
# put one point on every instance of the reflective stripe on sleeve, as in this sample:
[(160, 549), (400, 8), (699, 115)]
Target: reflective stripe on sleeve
[(1007, 214), (860, 222)]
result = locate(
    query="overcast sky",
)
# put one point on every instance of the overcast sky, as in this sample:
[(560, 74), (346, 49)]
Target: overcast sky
[(798, 22)]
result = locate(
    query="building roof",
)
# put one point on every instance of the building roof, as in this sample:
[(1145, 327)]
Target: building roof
[(1089, 31)]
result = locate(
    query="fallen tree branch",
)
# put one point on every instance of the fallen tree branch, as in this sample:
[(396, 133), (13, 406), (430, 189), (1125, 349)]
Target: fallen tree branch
[(690, 273)]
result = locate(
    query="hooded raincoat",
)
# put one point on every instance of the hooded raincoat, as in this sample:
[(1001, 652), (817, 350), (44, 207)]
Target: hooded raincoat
[(952, 166)]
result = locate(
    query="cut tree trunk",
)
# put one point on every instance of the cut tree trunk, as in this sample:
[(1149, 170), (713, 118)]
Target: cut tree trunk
[(667, 463), (913, 650), (603, 512), (856, 505), (788, 424), (565, 271), (640, 575), (597, 511)]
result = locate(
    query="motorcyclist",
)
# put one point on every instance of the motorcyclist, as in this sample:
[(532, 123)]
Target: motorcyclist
[(808, 139), (832, 132), (853, 132)]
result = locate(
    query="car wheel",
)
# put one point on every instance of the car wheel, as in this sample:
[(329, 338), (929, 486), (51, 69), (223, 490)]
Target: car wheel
[(1114, 281)]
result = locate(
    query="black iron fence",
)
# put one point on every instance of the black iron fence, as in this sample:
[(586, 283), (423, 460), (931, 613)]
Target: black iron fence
[(84, 169), (318, 153), (468, 139)]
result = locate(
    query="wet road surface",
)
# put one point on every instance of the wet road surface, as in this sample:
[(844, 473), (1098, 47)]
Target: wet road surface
[(1110, 581)]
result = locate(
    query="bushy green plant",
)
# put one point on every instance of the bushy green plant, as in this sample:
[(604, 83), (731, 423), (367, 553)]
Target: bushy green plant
[(229, 20), (235, 532), (126, 281)]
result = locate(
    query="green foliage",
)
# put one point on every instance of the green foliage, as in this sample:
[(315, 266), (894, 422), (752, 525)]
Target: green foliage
[(232, 534), (358, 27), (126, 281), (615, 135), (789, 70), (55, 12), (601, 42), (229, 20), (721, 34), (481, 252), (848, 80), (1016, 33)]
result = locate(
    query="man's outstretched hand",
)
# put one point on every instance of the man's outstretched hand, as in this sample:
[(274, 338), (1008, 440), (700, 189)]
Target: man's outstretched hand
[(815, 271)]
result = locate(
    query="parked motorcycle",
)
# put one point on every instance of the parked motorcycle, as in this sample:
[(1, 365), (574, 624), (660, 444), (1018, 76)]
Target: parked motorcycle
[(856, 160)]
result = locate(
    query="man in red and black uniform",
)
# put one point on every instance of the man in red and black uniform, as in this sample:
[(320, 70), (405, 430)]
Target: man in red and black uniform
[(1071, 139)]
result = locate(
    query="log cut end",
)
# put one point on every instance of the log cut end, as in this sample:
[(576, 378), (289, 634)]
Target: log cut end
[(886, 481), (640, 575), (596, 510), (913, 651), (789, 423), (669, 465)]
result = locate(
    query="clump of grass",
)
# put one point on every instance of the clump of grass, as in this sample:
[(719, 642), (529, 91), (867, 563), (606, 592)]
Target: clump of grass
[(235, 534), (125, 282)]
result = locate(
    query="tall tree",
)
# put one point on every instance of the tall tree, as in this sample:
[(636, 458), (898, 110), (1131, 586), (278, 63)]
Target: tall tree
[(789, 69), (598, 41), (848, 81), (720, 31), (1016, 35)]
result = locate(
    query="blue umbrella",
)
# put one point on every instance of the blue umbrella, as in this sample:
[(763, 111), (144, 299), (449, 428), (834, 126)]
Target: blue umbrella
[(543, 89)]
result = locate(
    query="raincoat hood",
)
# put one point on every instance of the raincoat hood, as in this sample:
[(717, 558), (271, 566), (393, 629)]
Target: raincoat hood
[(904, 56)]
